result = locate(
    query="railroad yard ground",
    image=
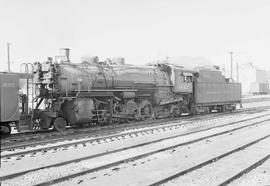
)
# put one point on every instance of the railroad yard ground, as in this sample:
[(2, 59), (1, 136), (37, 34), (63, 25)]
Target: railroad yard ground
[(216, 149)]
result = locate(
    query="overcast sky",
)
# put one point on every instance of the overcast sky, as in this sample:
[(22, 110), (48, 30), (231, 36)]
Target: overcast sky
[(139, 30)]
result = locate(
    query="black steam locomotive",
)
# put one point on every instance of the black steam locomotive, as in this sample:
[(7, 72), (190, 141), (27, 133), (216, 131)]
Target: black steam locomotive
[(108, 92)]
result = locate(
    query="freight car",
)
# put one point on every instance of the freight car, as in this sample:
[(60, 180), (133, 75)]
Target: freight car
[(107, 92), (13, 104)]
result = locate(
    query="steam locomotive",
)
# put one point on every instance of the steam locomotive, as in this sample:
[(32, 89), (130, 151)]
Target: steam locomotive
[(108, 92)]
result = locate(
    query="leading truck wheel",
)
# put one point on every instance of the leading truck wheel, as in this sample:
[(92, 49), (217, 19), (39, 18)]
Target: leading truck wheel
[(60, 124), (5, 129)]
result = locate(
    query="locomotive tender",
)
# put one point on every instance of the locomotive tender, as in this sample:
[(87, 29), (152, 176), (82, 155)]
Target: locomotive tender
[(107, 92)]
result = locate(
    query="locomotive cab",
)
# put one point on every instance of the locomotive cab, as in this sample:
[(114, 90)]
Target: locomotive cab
[(183, 81)]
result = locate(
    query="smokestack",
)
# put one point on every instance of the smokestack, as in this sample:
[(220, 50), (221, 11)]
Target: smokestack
[(64, 53)]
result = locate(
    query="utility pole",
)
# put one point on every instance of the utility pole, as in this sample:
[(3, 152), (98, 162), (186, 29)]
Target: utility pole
[(231, 53), (8, 56), (237, 72)]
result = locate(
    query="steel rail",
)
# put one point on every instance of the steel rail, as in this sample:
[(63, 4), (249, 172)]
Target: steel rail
[(128, 159), (39, 135), (167, 179), (245, 171), (23, 153), (91, 131)]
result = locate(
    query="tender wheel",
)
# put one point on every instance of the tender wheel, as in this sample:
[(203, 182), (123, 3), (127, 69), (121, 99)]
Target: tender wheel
[(5, 129), (60, 124)]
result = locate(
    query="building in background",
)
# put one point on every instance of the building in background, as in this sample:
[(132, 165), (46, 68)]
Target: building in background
[(254, 81)]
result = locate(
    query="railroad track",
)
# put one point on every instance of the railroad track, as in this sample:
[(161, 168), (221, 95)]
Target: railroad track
[(50, 138), (81, 132), (107, 131), (257, 173), (204, 134), (218, 158), (96, 132), (107, 135), (246, 170)]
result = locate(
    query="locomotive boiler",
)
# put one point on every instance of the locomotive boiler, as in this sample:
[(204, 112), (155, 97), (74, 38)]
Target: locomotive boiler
[(75, 94)]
